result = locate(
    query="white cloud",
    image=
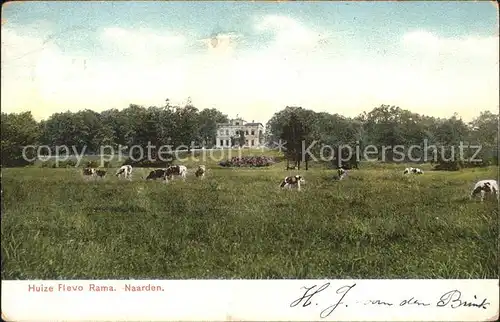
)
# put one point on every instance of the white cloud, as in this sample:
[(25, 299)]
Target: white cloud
[(459, 72), (290, 33), (463, 47), (47, 80), (142, 43), (148, 66)]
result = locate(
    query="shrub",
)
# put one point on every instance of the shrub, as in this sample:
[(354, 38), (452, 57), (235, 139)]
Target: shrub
[(67, 164), (249, 161), (447, 166), (476, 164)]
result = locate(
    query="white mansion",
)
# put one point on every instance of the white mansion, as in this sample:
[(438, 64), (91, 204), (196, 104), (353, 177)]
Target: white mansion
[(229, 134)]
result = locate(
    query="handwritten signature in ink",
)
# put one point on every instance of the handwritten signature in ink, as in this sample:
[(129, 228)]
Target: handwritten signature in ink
[(311, 291), (454, 300)]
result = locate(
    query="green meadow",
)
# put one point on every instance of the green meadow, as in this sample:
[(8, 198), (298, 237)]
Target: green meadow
[(237, 223)]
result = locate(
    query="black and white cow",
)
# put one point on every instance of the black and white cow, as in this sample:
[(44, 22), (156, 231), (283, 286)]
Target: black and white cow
[(176, 170), (342, 173), (157, 174), (483, 187), (413, 171), (125, 171), (200, 172), (89, 173), (291, 182)]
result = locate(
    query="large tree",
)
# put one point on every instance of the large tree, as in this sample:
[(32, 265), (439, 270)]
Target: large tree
[(18, 130)]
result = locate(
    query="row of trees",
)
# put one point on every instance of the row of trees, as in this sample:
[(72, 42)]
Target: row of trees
[(181, 125), (384, 126), (89, 130)]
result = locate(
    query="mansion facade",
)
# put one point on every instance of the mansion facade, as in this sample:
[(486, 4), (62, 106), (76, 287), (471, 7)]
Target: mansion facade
[(232, 133)]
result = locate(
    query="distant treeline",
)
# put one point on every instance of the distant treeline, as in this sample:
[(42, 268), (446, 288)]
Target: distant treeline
[(89, 130), (388, 126), (180, 125)]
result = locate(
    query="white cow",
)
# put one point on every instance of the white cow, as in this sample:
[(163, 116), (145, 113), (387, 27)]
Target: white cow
[(291, 182), (413, 170), (483, 187), (125, 171)]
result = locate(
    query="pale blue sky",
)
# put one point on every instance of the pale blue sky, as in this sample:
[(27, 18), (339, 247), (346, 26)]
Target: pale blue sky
[(434, 58)]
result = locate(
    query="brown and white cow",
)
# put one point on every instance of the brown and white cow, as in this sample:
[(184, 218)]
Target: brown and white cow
[(291, 182), (483, 187), (200, 172)]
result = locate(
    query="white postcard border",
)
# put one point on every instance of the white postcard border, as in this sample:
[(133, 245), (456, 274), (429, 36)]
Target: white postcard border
[(252, 300)]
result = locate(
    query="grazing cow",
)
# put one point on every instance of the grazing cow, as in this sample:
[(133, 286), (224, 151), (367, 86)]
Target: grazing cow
[(483, 187), (125, 171), (100, 173), (413, 170), (342, 173), (292, 182), (200, 172), (89, 172), (176, 170), (157, 174)]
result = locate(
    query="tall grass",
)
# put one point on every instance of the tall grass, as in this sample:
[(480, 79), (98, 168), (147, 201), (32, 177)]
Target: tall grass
[(237, 223)]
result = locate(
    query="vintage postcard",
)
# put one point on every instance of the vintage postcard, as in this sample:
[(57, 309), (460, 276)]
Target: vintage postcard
[(249, 161)]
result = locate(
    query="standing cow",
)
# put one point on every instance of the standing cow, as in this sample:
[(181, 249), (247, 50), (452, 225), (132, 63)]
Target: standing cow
[(292, 182), (200, 172), (176, 170), (342, 173), (125, 171)]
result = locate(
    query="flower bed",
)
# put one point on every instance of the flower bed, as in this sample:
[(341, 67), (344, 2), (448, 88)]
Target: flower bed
[(250, 161)]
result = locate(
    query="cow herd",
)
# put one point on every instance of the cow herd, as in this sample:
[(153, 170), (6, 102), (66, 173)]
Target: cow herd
[(165, 174), (481, 188)]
